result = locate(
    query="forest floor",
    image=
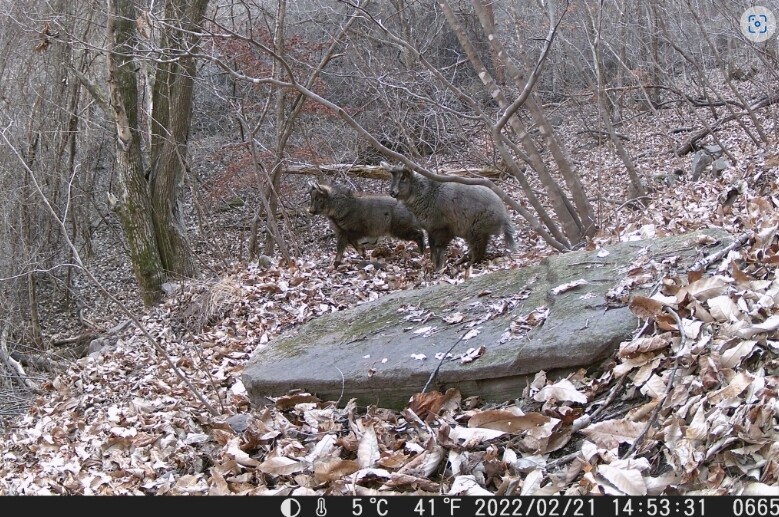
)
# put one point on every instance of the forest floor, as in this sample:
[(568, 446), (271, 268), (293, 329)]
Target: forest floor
[(163, 410)]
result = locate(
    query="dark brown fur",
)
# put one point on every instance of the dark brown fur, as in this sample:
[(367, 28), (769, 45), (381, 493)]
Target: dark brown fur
[(361, 219), (447, 210)]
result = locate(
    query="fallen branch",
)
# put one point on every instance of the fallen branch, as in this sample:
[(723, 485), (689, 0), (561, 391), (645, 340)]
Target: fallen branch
[(90, 335), (377, 172), (601, 134), (705, 262), (585, 420), (689, 145), (14, 366), (39, 363), (562, 460)]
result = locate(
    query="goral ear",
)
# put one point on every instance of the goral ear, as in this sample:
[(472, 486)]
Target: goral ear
[(313, 186), (392, 169)]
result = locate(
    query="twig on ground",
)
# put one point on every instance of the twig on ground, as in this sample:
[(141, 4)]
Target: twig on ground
[(562, 460), (705, 262), (443, 357), (585, 420), (13, 365)]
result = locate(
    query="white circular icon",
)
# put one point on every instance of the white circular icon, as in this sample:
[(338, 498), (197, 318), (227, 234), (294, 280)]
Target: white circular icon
[(290, 507), (758, 24)]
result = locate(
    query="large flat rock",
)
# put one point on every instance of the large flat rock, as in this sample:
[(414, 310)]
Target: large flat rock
[(371, 352)]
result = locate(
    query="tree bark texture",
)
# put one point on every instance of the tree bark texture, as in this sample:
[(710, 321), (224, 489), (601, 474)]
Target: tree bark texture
[(171, 117), (148, 202), (133, 204)]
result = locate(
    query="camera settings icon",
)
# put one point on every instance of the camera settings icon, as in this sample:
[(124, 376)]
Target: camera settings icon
[(758, 24)]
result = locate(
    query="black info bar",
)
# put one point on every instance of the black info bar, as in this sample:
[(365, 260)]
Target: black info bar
[(551, 506), (427, 506)]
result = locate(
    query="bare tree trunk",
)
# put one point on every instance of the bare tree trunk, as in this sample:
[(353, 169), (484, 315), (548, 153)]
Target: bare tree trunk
[(636, 186), (569, 219), (133, 204), (148, 202), (582, 211), (406, 31), (486, 15), (27, 218), (171, 117), (280, 109)]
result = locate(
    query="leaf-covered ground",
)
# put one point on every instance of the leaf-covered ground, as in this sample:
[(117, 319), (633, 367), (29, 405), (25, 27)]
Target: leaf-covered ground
[(687, 406)]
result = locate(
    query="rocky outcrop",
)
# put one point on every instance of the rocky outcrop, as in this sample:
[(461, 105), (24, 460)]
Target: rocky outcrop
[(500, 329)]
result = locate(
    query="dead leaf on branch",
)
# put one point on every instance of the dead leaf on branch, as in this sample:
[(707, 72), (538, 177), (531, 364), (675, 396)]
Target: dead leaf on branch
[(645, 307), (644, 344)]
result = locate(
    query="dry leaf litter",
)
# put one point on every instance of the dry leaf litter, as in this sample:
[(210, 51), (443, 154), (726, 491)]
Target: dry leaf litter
[(689, 406)]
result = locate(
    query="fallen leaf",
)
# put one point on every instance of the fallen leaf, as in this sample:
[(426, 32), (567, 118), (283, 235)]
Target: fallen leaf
[(289, 401), (335, 468), (467, 485), (753, 488), (610, 433), (737, 384), (644, 307), (509, 420), (280, 466), (628, 481), (456, 317), (732, 357), (561, 390), (427, 404), (473, 435), (703, 289), (698, 429), (471, 334), (240, 457), (568, 286), (722, 308), (769, 325), (472, 354), (368, 451)]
